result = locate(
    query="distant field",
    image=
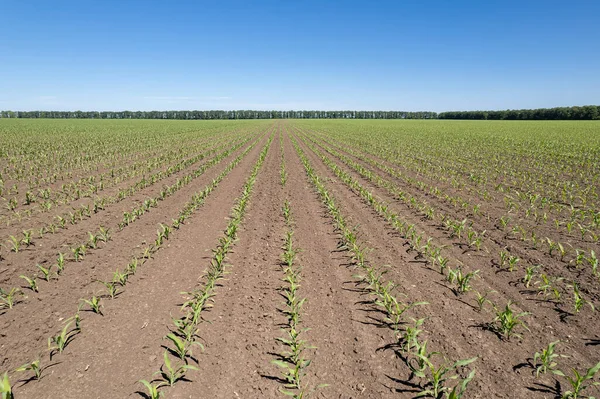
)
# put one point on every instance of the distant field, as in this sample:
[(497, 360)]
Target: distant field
[(224, 259)]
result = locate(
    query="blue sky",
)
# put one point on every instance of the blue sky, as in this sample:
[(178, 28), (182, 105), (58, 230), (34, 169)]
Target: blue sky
[(303, 54)]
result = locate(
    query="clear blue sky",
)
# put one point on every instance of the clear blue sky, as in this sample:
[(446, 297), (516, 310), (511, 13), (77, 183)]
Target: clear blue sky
[(303, 54)]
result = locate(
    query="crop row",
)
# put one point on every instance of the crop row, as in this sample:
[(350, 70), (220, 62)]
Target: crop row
[(184, 334)]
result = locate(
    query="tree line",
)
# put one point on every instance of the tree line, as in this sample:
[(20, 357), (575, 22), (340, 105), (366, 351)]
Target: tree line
[(587, 112)]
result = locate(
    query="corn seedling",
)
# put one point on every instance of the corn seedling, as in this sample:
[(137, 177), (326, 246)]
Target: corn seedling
[(548, 286), (94, 304), (410, 338), (120, 278), (45, 272), (182, 347), (443, 262), (79, 252), (27, 238), (459, 389), (593, 261), (578, 301), (152, 389), (544, 361), (5, 388), (92, 241), (9, 298), (172, 374), (418, 363), (164, 232), (32, 283), (461, 279), (58, 343), (579, 382), (186, 329), (60, 263), (34, 367), (506, 321), (104, 234), (15, 244), (111, 288), (438, 376), (132, 266), (482, 299), (512, 263), (529, 271)]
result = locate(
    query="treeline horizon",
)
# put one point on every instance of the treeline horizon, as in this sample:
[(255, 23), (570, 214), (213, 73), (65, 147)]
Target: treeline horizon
[(587, 112)]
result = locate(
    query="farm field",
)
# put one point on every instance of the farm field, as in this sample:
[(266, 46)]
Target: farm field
[(317, 258)]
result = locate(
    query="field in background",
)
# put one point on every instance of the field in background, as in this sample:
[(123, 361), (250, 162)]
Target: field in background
[(324, 258)]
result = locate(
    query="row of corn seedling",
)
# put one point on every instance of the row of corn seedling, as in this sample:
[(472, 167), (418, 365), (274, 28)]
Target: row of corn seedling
[(183, 336), (292, 360)]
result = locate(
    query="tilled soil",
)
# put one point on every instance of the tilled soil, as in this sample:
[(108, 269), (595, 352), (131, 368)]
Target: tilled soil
[(352, 349)]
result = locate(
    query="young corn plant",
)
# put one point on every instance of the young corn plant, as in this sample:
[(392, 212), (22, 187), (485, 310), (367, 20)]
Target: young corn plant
[(34, 366), (394, 308), (506, 321), (440, 375), (79, 252), (45, 272), (482, 299), (104, 234), (462, 280), (15, 244), (171, 374), (578, 301), (32, 283), (186, 329), (545, 360), (5, 388), (529, 272), (512, 263), (283, 173), (92, 241), (183, 348), (94, 304), (548, 286), (594, 262), (8, 299), (27, 239), (120, 278), (418, 362), (459, 389), (132, 266), (58, 343), (579, 382), (409, 339), (153, 392)]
